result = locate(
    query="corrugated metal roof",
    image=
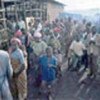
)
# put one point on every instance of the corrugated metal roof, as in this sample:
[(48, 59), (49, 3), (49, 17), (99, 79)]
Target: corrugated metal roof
[(15, 0), (11, 0), (57, 2)]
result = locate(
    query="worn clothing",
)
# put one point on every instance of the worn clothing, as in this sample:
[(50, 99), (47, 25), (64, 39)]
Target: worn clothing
[(5, 75), (59, 58), (21, 24), (18, 55), (97, 39), (86, 38), (55, 43), (48, 72), (39, 47), (39, 28), (19, 84), (77, 48), (93, 49)]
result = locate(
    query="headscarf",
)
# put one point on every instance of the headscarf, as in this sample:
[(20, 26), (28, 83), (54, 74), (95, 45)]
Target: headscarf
[(18, 33), (16, 40), (57, 30), (38, 35)]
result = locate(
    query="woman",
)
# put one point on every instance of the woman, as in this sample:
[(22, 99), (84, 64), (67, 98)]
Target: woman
[(19, 82)]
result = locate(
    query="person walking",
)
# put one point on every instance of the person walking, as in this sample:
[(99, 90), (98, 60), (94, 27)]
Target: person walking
[(19, 81)]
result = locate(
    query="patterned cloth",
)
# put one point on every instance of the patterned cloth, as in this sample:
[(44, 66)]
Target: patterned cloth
[(19, 84)]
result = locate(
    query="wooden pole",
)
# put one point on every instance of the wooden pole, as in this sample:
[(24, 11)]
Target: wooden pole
[(3, 12), (16, 12), (24, 9)]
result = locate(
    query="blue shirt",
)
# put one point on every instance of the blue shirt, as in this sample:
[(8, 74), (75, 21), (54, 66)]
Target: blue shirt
[(48, 73)]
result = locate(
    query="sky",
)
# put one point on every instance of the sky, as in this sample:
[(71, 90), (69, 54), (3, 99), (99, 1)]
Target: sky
[(76, 5)]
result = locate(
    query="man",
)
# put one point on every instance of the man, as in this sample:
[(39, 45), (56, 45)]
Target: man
[(18, 32), (6, 73), (69, 25), (68, 38), (13, 24), (76, 52), (93, 51), (95, 35), (93, 48), (39, 26), (54, 43), (87, 35), (81, 27), (21, 23)]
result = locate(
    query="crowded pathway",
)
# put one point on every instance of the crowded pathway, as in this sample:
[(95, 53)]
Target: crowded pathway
[(51, 60)]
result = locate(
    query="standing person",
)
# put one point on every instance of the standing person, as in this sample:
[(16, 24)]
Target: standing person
[(92, 58), (39, 26), (13, 25), (39, 47), (26, 39), (59, 57), (76, 53), (81, 28), (93, 55), (48, 64), (19, 81), (6, 73), (18, 32), (54, 42), (69, 26), (87, 34), (93, 51), (21, 23)]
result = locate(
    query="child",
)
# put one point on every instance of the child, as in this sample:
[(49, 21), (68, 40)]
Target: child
[(59, 57), (48, 65)]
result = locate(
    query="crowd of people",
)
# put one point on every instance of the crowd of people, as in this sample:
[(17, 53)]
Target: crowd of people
[(35, 56)]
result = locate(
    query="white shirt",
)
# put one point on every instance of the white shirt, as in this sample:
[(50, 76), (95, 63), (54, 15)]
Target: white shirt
[(21, 24), (77, 47), (39, 28), (14, 26)]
